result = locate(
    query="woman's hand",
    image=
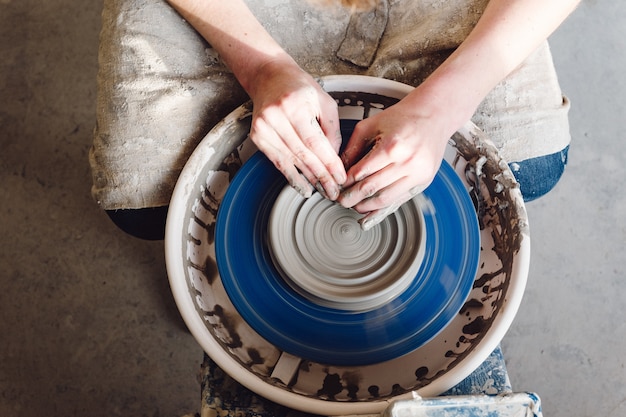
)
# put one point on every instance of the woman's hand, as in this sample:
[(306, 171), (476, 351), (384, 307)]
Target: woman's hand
[(295, 122), (406, 142), (392, 156), (296, 125)]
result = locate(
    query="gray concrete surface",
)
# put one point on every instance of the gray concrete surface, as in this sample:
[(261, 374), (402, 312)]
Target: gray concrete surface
[(568, 340), (89, 327)]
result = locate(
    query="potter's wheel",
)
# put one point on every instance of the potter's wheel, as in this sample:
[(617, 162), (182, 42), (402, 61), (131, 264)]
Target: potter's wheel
[(303, 274), (238, 321), (320, 250)]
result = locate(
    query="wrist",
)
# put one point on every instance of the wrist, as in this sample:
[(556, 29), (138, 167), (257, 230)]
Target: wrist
[(445, 99), (453, 92), (256, 75)]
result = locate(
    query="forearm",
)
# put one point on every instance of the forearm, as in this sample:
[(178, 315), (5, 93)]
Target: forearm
[(294, 122), (508, 32), (236, 34)]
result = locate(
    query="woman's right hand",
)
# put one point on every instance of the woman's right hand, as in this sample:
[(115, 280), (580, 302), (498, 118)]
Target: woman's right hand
[(296, 125)]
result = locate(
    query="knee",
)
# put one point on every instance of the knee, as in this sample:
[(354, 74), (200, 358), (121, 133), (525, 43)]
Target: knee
[(537, 176), (144, 223)]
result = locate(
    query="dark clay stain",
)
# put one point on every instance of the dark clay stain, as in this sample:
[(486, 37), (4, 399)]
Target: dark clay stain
[(211, 205), (463, 340), (352, 391), (494, 209), (469, 305), (209, 269), (255, 357), (352, 380), (331, 386), (421, 375), (452, 354), (397, 389), (494, 212), (305, 366), (484, 279), (229, 324), (421, 372), (367, 100), (475, 327), (374, 391), (231, 164)]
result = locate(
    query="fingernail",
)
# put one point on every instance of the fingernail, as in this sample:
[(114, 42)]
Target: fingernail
[(369, 221), (366, 225), (376, 217), (330, 194), (333, 193), (320, 189), (340, 177), (349, 182)]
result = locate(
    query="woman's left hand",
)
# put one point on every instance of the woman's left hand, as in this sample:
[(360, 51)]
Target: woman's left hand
[(391, 157)]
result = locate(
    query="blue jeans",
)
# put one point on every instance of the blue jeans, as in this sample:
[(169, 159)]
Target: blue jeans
[(220, 392), (537, 176)]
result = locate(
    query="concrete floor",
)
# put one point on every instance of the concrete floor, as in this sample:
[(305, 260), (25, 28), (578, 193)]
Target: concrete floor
[(89, 327)]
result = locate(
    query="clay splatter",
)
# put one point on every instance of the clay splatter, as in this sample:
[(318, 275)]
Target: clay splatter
[(331, 387), (499, 219), (366, 100), (227, 326)]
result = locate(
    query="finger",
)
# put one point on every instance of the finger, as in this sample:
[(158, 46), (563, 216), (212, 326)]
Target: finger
[(376, 157), (310, 146), (304, 145), (372, 173), (322, 136), (279, 154), (330, 124), (290, 154), (360, 143), (367, 188), (375, 217), (380, 190), (395, 194)]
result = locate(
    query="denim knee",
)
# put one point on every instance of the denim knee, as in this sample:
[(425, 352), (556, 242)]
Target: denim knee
[(145, 223), (537, 176)]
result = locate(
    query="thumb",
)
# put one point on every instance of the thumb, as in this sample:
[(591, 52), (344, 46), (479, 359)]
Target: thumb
[(329, 122), (360, 143)]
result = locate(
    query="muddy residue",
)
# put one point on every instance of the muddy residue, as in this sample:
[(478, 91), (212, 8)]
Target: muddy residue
[(368, 101)]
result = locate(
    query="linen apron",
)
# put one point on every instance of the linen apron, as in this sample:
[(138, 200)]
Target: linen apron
[(161, 87)]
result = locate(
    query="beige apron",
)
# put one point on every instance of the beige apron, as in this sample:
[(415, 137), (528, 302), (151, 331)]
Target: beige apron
[(161, 87)]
